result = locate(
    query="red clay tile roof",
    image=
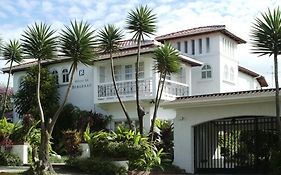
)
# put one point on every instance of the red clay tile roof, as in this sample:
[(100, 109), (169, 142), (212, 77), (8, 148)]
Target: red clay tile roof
[(259, 77), (199, 31), (236, 93)]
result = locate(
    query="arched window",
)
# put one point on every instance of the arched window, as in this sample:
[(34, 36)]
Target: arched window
[(56, 75), (206, 72), (225, 73), (231, 74), (65, 76)]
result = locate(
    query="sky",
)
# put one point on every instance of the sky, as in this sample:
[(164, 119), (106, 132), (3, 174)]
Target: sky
[(172, 15)]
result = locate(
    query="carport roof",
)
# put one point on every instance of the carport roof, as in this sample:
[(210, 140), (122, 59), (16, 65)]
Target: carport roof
[(222, 98)]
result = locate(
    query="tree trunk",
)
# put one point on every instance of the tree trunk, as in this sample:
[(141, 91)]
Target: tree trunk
[(277, 106), (56, 116), (6, 92), (155, 106), (139, 109), (117, 94)]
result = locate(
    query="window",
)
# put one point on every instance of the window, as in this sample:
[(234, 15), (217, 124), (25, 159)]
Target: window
[(231, 74), (56, 76), (207, 44), (181, 75), (128, 72), (192, 47), (186, 47), (200, 46), (65, 76), (179, 45), (102, 74), (225, 72), (118, 72), (141, 70), (206, 72)]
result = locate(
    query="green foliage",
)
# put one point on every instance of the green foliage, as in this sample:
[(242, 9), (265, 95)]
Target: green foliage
[(266, 33), (6, 128), (71, 141), (108, 38), (8, 159), (25, 99), (165, 139), (12, 52), (125, 144), (97, 166), (141, 21)]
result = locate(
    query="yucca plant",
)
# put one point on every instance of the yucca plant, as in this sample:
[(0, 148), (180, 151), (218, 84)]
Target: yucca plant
[(108, 39), (166, 63), (140, 22), (40, 43), (12, 52), (77, 43), (266, 40)]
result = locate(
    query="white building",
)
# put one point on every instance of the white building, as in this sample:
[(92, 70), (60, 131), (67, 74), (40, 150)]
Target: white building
[(209, 72)]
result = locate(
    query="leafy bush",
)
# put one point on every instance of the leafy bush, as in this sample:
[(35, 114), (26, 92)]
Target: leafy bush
[(125, 144), (8, 159), (71, 141), (97, 166), (275, 162)]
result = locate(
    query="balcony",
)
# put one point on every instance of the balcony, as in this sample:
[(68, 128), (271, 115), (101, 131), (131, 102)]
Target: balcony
[(127, 90)]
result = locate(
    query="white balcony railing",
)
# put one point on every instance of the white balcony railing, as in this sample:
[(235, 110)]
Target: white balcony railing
[(127, 89)]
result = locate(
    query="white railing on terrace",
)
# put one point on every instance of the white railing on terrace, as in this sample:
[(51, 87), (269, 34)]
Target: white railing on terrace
[(175, 89), (125, 88)]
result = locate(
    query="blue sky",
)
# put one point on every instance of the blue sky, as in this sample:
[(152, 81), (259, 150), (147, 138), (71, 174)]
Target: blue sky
[(173, 15)]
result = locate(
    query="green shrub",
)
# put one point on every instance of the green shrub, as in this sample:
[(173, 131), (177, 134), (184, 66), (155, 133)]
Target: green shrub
[(8, 159), (275, 162), (96, 166), (71, 140)]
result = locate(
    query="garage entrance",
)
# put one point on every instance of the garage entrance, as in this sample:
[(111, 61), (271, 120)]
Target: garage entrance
[(237, 144)]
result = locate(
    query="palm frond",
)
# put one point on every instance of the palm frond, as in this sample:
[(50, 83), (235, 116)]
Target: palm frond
[(141, 22), (12, 52)]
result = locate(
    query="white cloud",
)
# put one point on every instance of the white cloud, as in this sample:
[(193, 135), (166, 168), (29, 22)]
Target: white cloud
[(47, 6)]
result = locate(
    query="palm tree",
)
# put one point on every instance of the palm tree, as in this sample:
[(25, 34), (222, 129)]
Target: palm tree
[(39, 43), (140, 22), (266, 40), (77, 43), (108, 39), (167, 63), (12, 52)]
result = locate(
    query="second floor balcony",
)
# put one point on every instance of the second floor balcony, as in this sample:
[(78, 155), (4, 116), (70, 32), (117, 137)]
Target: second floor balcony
[(147, 90)]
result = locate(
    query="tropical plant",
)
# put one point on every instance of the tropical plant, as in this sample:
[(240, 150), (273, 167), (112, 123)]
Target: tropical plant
[(140, 22), (25, 99), (40, 43), (265, 37), (108, 39), (167, 63), (12, 52), (71, 140)]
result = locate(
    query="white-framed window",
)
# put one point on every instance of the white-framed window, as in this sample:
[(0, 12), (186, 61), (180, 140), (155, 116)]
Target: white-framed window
[(181, 75), (102, 74), (193, 47), (65, 76), (179, 46), (118, 72), (56, 76), (207, 44), (141, 70), (200, 46), (206, 72), (225, 72), (231, 74), (186, 46), (128, 72)]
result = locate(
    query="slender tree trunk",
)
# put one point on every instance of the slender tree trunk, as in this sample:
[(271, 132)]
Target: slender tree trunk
[(117, 93), (158, 102), (155, 106), (277, 98), (6, 91), (139, 109), (54, 119)]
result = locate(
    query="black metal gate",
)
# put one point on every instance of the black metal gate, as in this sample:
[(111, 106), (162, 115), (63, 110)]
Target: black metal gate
[(240, 144)]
